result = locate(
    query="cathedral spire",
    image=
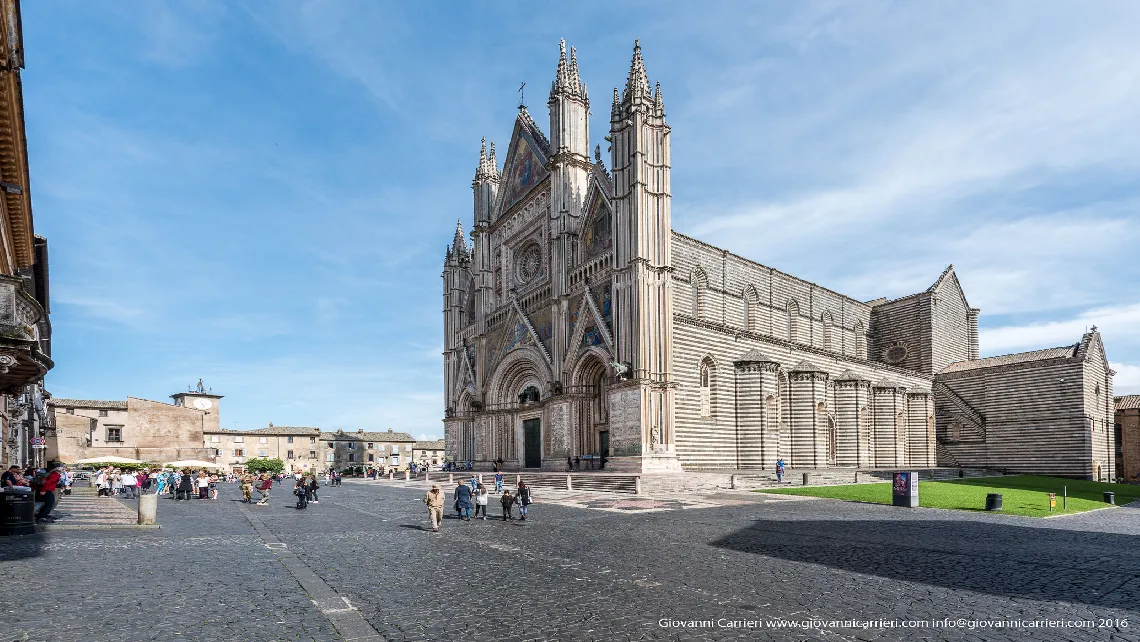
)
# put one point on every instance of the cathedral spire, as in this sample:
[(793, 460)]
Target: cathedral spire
[(637, 83), (492, 162), (488, 169), (459, 245), (575, 79), (658, 102)]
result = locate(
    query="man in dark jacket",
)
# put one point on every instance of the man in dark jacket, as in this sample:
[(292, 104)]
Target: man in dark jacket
[(463, 501)]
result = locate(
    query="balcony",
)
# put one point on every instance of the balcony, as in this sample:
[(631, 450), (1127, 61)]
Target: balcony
[(22, 360)]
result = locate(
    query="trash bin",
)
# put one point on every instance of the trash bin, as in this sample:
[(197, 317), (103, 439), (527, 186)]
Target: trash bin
[(1109, 497), (17, 512), (993, 501), (807, 479)]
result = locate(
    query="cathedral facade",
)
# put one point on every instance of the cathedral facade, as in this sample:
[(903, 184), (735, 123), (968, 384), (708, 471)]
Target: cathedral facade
[(579, 323)]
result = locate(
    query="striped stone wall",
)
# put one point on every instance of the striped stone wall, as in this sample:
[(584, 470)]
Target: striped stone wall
[(730, 290), (1046, 417), (776, 406)]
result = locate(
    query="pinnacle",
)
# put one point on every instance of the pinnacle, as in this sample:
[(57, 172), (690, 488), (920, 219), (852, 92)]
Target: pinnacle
[(566, 80), (637, 84)]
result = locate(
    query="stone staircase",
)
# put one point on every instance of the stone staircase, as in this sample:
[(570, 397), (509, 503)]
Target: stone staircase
[(593, 482)]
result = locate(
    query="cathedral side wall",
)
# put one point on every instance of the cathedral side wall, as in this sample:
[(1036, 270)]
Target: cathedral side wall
[(906, 321), (1033, 418), (732, 279), (711, 442), (950, 341)]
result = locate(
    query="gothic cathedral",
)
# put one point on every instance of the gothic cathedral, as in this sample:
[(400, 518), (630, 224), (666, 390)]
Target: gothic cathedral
[(580, 324)]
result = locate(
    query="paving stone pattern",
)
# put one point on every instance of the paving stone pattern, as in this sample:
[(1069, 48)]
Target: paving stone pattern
[(570, 573)]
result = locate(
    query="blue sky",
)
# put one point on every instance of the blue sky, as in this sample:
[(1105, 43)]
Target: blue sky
[(259, 194)]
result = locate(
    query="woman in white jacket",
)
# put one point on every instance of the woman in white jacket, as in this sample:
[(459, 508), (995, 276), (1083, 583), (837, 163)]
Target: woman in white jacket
[(481, 501)]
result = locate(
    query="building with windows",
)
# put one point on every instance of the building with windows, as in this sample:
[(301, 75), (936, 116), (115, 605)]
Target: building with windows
[(429, 453), (150, 431), (298, 447), (367, 449), (580, 323), (25, 331)]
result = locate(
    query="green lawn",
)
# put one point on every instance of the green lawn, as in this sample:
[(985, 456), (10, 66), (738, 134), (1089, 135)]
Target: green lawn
[(1021, 495)]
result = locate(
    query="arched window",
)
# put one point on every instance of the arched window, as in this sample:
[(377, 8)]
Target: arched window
[(751, 310), (707, 385), (793, 320), (700, 283), (860, 340), (827, 333)]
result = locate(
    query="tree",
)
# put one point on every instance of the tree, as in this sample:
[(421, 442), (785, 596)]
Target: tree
[(265, 465)]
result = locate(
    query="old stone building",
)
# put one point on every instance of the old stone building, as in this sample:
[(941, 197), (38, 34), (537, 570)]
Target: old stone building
[(25, 331), (1127, 429), (150, 431), (367, 449), (580, 323), (429, 453), (298, 447)]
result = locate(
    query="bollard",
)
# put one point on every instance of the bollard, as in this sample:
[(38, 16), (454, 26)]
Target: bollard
[(427, 476), (148, 509), (389, 475), (637, 485), (450, 478), (518, 478), (569, 484), (807, 479), (480, 479), (732, 482), (407, 475)]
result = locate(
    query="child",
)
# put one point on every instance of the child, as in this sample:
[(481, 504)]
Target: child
[(507, 500), (481, 502)]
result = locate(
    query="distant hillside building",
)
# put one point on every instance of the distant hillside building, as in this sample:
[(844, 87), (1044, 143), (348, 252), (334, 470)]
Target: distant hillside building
[(580, 323)]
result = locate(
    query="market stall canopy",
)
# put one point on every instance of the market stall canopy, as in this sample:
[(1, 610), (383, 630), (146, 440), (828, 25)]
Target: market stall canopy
[(192, 463), (109, 459)]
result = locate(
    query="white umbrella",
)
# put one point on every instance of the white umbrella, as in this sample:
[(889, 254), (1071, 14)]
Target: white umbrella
[(109, 459), (192, 463)]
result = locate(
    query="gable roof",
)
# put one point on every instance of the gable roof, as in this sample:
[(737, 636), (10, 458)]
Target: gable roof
[(438, 444), (1065, 352), (285, 430), (385, 436), (88, 403), (1128, 402), (521, 178)]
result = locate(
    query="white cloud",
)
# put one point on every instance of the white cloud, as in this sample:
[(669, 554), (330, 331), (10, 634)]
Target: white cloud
[(1117, 325), (1127, 379)]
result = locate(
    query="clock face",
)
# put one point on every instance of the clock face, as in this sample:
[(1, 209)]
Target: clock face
[(202, 404)]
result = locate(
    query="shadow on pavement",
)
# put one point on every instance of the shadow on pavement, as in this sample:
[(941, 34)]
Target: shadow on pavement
[(997, 559), (18, 547)]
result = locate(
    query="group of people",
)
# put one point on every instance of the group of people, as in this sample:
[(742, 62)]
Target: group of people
[(47, 486), (472, 494)]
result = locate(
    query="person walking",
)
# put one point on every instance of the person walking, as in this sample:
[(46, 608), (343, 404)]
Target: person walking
[(247, 488), (263, 489), (44, 486), (463, 501), (481, 501), (130, 484), (779, 471), (203, 485), (313, 486), (301, 490), (185, 485), (499, 481), (524, 499), (213, 486), (507, 501), (116, 482), (434, 501)]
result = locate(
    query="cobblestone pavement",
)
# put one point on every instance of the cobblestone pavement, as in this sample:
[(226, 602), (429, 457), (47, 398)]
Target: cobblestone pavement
[(568, 573)]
